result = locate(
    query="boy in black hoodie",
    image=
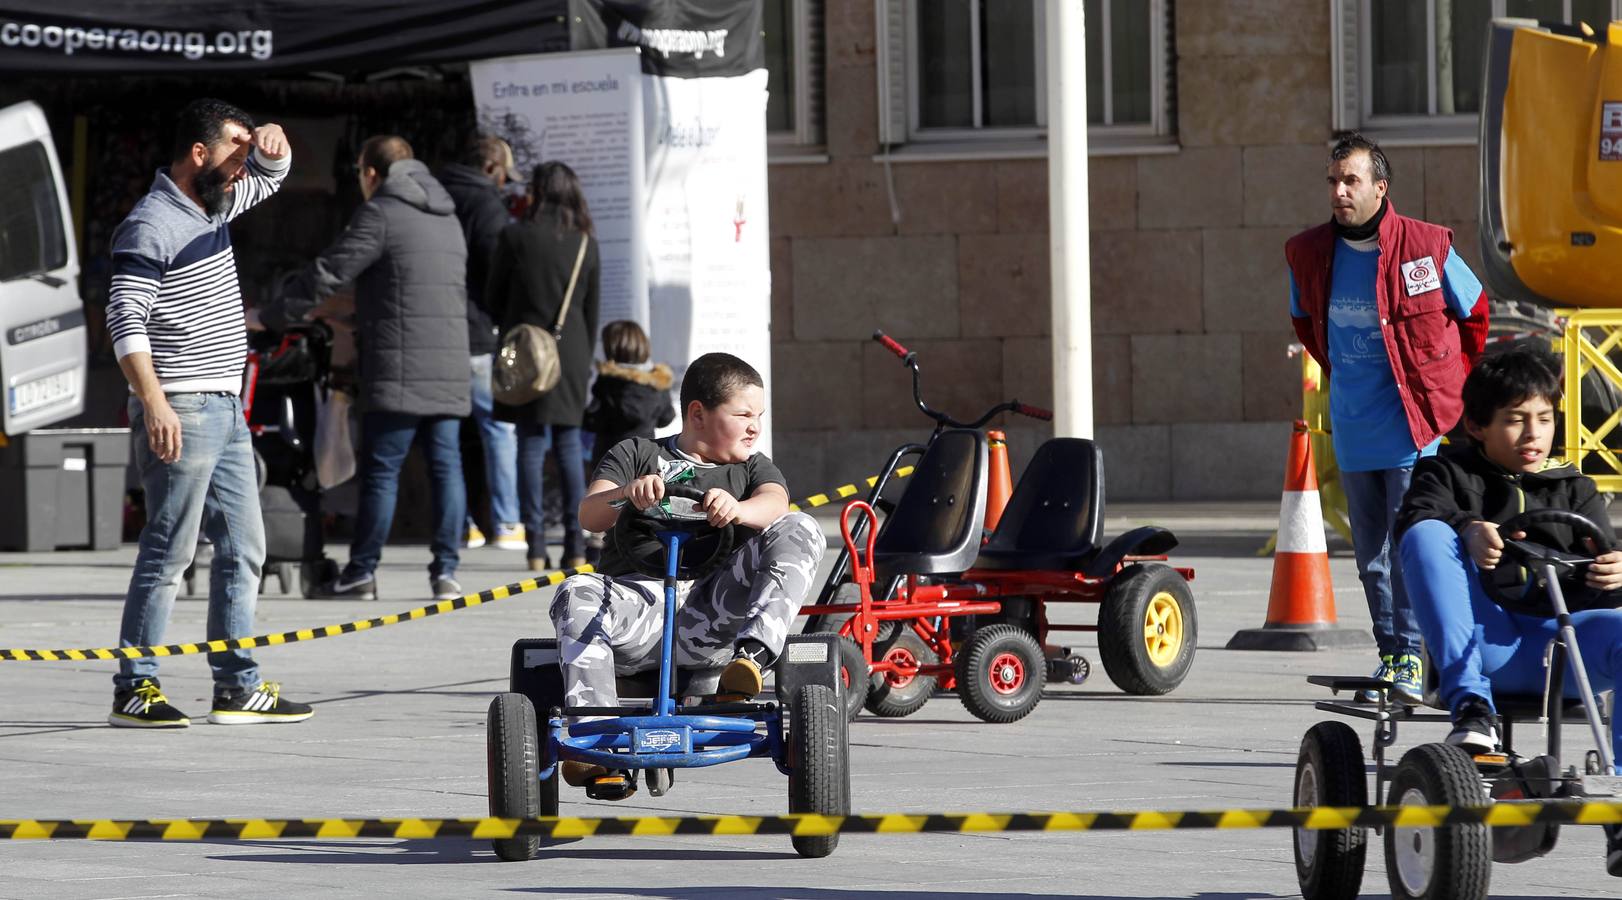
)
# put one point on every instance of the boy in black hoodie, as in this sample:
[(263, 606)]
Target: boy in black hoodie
[(1448, 535), (631, 396)]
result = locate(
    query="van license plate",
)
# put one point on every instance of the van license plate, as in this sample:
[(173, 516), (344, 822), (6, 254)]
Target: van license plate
[(42, 392)]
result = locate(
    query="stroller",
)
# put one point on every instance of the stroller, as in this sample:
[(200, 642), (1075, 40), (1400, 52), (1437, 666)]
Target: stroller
[(287, 375)]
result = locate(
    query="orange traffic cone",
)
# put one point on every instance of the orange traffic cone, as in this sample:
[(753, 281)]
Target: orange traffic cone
[(999, 483), (1301, 605)]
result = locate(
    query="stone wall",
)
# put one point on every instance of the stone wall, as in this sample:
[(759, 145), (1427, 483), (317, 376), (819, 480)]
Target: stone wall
[(1193, 392)]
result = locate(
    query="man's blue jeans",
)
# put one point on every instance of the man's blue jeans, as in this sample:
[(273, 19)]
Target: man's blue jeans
[(500, 443), (533, 442), (1372, 501), (1477, 645), (386, 438), (212, 488)]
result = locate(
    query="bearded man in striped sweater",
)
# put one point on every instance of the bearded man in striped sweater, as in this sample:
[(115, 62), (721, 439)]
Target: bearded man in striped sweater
[(175, 315)]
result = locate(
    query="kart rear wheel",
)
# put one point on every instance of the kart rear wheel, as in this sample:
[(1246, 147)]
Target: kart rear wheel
[(1147, 629), (1000, 673), (852, 665), (1330, 772), (819, 763), (892, 694), (513, 752), (1452, 863)]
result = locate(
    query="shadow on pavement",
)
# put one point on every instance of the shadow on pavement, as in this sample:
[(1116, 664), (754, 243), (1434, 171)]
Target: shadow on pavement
[(405, 853), (763, 893)]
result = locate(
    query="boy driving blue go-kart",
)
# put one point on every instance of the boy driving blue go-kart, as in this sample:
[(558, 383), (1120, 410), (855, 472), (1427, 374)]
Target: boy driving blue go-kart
[(1487, 624), (703, 570), (736, 615)]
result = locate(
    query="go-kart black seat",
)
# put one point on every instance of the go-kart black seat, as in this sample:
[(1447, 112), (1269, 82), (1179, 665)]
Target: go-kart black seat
[(1055, 518), (689, 682), (938, 522)]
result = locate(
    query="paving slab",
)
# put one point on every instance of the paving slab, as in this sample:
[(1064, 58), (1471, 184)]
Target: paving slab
[(400, 731)]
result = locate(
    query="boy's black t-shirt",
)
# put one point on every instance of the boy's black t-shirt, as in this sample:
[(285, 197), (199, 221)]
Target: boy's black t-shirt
[(631, 459)]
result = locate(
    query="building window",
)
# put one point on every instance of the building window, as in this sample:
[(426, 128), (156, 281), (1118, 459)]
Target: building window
[(976, 70), (792, 32), (1415, 65)]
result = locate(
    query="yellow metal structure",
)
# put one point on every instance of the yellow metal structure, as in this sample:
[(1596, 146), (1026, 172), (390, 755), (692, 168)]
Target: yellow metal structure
[(1591, 341)]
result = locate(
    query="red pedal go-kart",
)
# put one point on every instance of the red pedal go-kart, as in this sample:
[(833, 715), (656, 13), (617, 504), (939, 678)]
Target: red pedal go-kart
[(952, 590)]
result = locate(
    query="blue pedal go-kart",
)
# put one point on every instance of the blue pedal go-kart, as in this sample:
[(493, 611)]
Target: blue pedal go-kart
[(677, 723)]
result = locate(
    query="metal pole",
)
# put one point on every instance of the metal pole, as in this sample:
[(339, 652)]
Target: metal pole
[(1068, 220), (1575, 656)]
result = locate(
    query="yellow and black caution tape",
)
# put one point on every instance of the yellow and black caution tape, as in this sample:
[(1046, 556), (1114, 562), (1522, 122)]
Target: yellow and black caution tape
[(292, 637), (843, 491), (1322, 818)]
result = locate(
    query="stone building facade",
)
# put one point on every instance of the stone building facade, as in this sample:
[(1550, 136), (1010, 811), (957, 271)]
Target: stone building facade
[(1193, 388)]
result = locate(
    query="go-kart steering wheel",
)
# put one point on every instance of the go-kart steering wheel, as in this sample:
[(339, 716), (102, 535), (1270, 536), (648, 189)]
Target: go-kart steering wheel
[(1570, 567), (635, 535)]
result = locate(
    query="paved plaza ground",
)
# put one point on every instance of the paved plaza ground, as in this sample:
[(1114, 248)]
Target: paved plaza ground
[(400, 731)]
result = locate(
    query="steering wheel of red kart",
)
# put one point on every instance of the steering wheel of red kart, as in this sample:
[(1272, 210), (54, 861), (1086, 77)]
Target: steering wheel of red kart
[(635, 535), (1570, 567)]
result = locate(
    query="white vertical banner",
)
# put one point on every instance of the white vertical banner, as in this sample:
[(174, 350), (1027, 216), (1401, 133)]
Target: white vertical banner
[(583, 109), (709, 253)]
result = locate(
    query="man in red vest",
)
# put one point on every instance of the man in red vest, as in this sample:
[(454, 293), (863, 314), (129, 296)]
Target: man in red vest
[(1396, 319)]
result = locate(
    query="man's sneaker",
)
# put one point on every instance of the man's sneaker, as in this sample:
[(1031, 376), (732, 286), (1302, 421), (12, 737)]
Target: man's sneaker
[(264, 705), (1474, 726), (1408, 680), (510, 536), (342, 588), (1382, 672), (1613, 850), (475, 537), (145, 706), (445, 587)]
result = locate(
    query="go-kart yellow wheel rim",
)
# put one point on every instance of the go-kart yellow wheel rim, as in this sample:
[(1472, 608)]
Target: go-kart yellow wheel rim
[(1163, 629)]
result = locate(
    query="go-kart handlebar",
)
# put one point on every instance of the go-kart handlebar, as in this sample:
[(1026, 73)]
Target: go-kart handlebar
[(1531, 552), (910, 360), (639, 537)]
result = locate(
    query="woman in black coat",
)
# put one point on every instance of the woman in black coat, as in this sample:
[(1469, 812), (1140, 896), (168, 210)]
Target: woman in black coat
[(528, 277)]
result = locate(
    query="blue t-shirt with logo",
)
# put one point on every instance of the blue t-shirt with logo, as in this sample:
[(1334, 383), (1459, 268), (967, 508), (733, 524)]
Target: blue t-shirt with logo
[(1370, 427)]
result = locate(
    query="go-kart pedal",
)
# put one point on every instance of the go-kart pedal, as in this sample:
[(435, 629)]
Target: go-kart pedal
[(600, 783)]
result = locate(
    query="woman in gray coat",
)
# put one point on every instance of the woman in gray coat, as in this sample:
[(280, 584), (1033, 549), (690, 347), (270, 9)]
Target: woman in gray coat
[(533, 264)]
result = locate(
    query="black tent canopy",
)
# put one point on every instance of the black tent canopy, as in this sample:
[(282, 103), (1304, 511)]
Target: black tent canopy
[(208, 37)]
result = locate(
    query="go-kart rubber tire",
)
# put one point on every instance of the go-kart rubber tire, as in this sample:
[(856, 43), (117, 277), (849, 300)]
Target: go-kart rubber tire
[(1461, 863), (852, 665), (1331, 768), (975, 686), (819, 763), (513, 751), (1122, 620), (889, 701)]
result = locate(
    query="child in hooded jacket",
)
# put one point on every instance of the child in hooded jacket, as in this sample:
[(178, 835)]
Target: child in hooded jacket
[(631, 396)]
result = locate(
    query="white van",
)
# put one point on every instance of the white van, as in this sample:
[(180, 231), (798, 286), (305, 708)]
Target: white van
[(42, 324)]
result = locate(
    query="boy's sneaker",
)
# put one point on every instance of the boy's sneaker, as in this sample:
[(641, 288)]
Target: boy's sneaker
[(445, 587), (600, 783), (1408, 679), (475, 537), (1613, 850), (144, 706), (1475, 728), (742, 678), (264, 705), (1382, 672), (341, 588), (510, 536)]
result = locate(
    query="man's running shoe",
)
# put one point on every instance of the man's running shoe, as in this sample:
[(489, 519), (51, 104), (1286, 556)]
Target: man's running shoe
[(1408, 680), (445, 587), (264, 705), (1382, 672), (1475, 728), (342, 588), (144, 706), (475, 537), (510, 536)]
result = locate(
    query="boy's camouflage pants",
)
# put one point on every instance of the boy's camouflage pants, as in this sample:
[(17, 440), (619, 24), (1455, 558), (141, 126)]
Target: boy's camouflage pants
[(613, 624)]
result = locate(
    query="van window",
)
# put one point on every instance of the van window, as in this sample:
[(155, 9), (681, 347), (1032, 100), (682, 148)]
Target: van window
[(31, 235)]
